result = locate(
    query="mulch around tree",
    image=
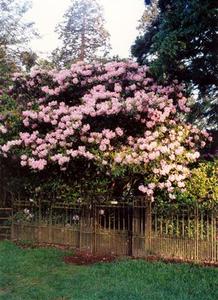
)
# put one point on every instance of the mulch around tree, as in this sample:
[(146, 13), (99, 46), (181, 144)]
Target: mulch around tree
[(85, 258)]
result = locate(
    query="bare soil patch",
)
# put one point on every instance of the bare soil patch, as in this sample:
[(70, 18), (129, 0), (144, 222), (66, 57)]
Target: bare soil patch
[(85, 258)]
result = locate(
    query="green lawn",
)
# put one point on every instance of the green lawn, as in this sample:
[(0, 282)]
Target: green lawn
[(42, 274)]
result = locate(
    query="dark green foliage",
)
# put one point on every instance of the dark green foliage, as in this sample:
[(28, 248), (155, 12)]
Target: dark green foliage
[(7, 66), (182, 44), (28, 59)]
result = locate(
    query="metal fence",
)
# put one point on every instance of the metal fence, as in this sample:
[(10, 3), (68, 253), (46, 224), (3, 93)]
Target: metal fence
[(137, 228), (5, 223)]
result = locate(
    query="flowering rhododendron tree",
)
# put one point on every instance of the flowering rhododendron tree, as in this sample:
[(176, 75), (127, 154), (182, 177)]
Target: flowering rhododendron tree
[(113, 118)]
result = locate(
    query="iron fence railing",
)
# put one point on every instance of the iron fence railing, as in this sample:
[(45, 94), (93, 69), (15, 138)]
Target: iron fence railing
[(138, 228)]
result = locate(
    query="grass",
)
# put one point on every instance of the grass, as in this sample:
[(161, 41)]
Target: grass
[(42, 274)]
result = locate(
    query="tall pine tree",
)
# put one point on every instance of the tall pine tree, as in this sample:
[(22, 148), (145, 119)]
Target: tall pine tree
[(83, 33)]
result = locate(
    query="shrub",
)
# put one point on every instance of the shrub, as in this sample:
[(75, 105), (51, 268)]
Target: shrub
[(202, 187), (111, 121)]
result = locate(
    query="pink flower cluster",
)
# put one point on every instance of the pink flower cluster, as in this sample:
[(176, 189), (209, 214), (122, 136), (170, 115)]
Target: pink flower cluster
[(113, 114), (3, 129)]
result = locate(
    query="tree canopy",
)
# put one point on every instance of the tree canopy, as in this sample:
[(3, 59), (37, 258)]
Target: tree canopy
[(181, 43), (82, 32), (15, 33), (110, 119)]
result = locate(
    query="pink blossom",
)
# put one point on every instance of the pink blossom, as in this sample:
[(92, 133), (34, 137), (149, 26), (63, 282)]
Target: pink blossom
[(155, 143), (118, 159)]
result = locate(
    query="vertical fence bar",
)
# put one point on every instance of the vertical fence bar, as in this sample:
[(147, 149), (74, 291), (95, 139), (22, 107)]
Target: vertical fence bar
[(215, 237), (81, 230), (183, 225), (109, 226), (148, 224), (202, 226), (177, 226), (130, 228), (94, 228), (212, 236), (38, 224), (50, 225), (12, 223), (196, 233)]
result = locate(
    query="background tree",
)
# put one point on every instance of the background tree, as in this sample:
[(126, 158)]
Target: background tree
[(7, 66), (181, 43), (45, 64), (149, 15), (82, 33), (28, 59), (14, 30)]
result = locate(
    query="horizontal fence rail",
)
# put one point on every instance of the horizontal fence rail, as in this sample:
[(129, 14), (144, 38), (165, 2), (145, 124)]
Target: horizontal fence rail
[(136, 228)]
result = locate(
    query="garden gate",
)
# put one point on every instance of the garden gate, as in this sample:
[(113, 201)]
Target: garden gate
[(113, 227)]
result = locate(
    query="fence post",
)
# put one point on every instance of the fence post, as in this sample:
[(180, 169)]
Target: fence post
[(94, 228), (196, 233), (50, 225), (39, 222), (148, 225), (213, 238), (81, 227), (130, 229), (135, 230), (12, 223), (215, 218)]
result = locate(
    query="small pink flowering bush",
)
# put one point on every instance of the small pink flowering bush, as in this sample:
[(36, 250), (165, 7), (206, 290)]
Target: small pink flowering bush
[(113, 119)]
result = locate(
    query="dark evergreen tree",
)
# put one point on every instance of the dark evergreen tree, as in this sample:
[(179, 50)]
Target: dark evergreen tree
[(181, 43)]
